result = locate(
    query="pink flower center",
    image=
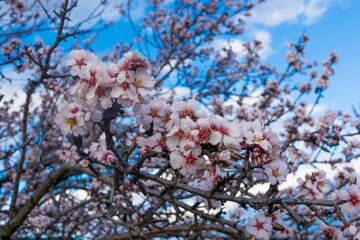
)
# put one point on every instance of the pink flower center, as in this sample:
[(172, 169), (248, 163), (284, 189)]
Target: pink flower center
[(259, 225), (181, 134), (125, 86), (139, 81), (353, 200), (187, 112), (153, 113), (107, 157), (125, 66), (92, 81), (204, 134), (161, 142), (223, 130), (311, 192), (100, 91), (74, 110), (257, 138), (85, 162), (168, 117), (276, 173), (212, 171), (274, 147), (312, 176), (71, 122), (190, 160), (80, 63)]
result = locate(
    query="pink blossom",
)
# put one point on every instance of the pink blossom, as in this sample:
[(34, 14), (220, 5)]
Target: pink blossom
[(94, 85), (123, 90), (8, 185), (153, 112), (224, 133), (188, 162), (254, 134), (157, 142), (350, 228), (132, 87), (132, 61), (276, 171), (40, 221), (71, 118), (78, 59), (224, 159), (330, 232), (315, 185), (100, 152), (142, 81), (84, 162), (352, 198), (260, 226), (144, 144), (181, 137), (68, 154), (182, 110)]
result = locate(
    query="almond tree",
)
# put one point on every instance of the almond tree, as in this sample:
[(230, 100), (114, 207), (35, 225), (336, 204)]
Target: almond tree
[(104, 148)]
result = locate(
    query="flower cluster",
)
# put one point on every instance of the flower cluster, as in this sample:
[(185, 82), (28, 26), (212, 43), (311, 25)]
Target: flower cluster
[(100, 152), (68, 154), (315, 185), (197, 141), (99, 86)]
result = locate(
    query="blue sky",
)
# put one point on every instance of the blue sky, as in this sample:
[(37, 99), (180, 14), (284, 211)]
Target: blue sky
[(330, 24)]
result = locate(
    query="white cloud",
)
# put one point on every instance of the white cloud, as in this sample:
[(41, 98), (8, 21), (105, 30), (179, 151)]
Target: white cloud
[(18, 81), (236, 45), (315, 9), (81, 195), (86, 8), (19, 98), (318, 109), (16, 89), (138, 9), (291, 179), (265, 38), (179, 93), (276, 12), (167, 68), (253, 98), (232, 101), (259, 188)]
